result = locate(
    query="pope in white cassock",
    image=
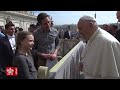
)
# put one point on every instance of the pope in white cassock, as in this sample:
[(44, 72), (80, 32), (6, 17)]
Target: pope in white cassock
[(101, 55)]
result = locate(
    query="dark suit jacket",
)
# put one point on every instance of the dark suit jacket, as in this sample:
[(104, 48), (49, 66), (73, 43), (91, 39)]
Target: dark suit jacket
[(6, 53), (117, 36), (66, 35), (1, 35)]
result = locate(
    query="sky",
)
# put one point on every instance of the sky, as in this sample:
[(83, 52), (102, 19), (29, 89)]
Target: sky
[(72, 17)]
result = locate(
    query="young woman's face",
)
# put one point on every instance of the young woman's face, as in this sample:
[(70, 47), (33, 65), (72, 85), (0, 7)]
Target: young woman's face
[(28, 43)]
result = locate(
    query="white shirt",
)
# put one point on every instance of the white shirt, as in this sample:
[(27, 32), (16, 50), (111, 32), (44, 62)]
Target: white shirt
[(69, 33), (12, 42)]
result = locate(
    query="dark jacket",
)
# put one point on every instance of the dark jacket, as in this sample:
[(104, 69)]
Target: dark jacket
[(118, 35), (1, 35), (6, 54), (66, 35)]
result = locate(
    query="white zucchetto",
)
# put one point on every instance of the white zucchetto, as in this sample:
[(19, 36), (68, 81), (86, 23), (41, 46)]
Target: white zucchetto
[(85, 17)]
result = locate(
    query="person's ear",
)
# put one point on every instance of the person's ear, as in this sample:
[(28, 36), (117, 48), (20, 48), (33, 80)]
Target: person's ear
[(91, 24)]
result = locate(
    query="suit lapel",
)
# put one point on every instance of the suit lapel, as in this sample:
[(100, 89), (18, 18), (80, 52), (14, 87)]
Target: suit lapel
[(7, 43)]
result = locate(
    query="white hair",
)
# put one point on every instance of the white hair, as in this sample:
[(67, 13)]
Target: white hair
[(87, 18)]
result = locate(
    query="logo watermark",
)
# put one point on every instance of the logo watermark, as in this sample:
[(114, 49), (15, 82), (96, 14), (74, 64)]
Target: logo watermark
[(11, 71)]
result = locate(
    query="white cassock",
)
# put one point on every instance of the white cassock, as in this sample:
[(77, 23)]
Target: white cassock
[(101, 56)]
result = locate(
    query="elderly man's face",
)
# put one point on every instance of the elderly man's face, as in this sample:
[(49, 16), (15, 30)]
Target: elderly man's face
[(83, 28), (46, 23)]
